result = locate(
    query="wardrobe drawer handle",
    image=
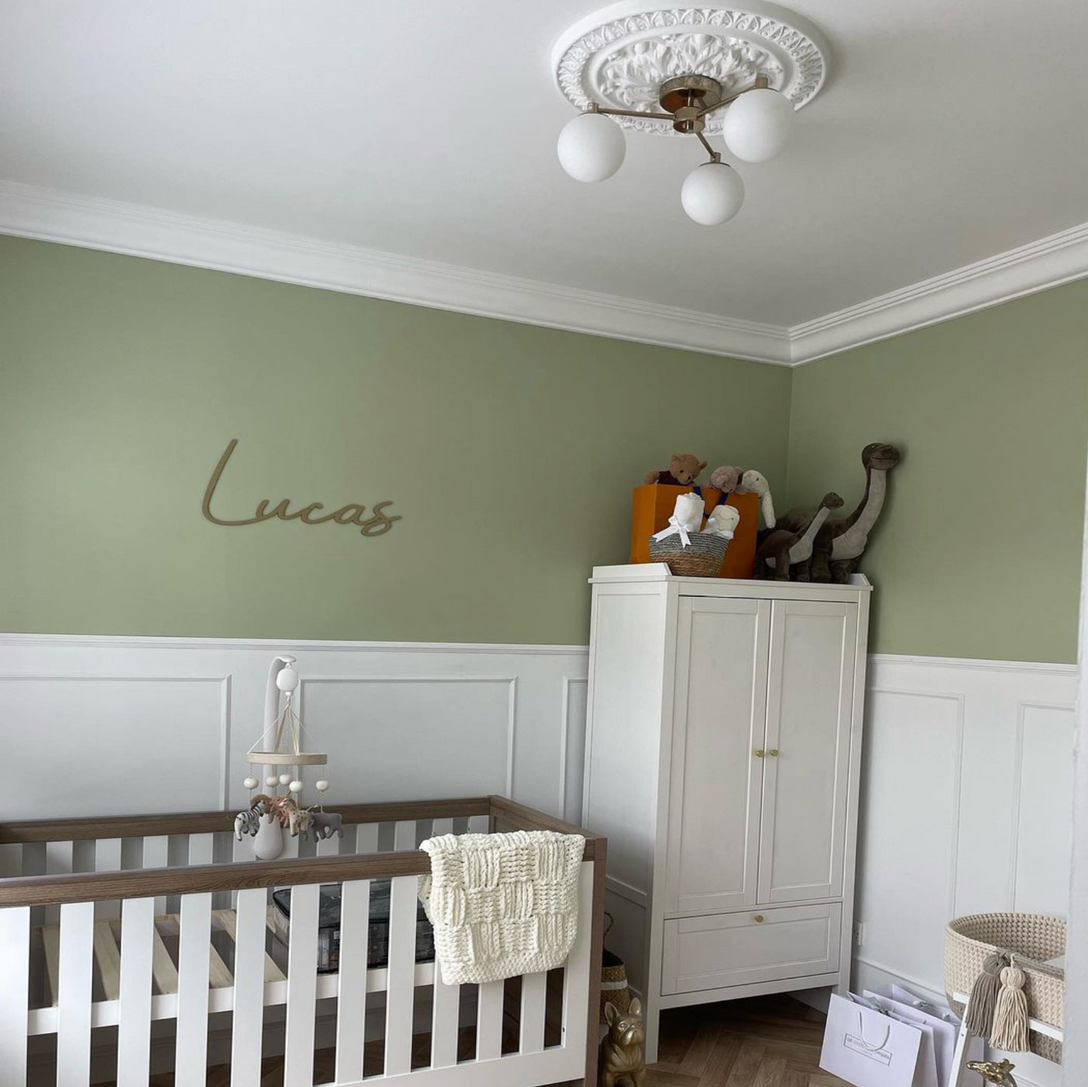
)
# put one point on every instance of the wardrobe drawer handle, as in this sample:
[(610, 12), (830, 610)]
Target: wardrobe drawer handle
[(759, 919), (760, 752), (773, 752)]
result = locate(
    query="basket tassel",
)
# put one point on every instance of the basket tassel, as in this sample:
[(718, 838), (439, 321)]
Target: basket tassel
[(983, 1004), (1010, 1026)]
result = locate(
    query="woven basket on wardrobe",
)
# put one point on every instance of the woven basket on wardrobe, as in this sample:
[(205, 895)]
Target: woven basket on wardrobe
[(1030, 940), (702, 557)]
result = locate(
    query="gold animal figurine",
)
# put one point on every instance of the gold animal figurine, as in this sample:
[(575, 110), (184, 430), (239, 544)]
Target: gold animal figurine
[(622, 1059), (999, 1072)]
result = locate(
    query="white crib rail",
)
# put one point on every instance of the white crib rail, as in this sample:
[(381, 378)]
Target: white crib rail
[(122, 961)]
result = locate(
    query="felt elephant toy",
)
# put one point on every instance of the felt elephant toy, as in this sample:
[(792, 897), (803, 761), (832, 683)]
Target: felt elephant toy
[(326, 824)]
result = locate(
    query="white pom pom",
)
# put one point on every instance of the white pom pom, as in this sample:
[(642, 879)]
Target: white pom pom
[(295, 786), (250, 783), (284, 778), (287, 679), (321, 785), (271, 781)]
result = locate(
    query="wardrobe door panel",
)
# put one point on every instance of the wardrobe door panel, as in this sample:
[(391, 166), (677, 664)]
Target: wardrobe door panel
[(809, 713), (718, 724)]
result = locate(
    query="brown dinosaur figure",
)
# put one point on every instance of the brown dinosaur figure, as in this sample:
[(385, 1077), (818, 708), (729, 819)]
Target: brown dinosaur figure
[(784, 547), (841, 542)]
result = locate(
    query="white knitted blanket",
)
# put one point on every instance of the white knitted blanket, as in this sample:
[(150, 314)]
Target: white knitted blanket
[(501, 904)]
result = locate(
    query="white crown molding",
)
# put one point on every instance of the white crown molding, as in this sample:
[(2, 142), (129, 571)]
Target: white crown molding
[(1048, 262), (136, 230)]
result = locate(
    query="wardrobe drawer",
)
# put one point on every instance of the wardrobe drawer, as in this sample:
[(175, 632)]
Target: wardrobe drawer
[(757, 945)]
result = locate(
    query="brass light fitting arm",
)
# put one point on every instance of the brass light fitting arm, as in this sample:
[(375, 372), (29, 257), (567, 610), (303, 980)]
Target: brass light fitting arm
[(761, 83), (608, 111)]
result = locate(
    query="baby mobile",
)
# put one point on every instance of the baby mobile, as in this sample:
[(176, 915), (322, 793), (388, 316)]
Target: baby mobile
[(272, 812)]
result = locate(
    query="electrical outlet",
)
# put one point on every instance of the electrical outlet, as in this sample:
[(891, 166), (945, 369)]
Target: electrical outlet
[(859, 933)]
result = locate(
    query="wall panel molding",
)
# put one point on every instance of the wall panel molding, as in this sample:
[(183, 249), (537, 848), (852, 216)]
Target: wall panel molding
[(398, 721)]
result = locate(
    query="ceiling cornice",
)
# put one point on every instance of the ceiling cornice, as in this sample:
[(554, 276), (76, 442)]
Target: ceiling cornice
[(136, 230), (1048, 262), (141, 231)]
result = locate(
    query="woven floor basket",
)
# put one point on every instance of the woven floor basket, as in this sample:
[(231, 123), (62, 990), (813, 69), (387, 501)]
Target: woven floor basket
[(701, 558), (1030, 939)]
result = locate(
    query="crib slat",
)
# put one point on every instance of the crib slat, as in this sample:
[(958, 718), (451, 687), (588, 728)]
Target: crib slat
[(533, 994), (107, 858), (250, 972), (404, 835), (478, 824), (194, 946), (298, 1057), (201, 848), (445, 1011), (445, 1020), (134, 1024), (11, 860), (14, 1016), (329, 847), (489, 1021), (351, 995), (74, 1021), (401, 973), (108, 959), (366, 838), (577, 971), (58, 862), (155, 855)]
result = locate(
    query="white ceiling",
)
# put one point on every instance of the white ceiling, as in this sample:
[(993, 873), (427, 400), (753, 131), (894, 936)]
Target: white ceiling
[(946, 133)]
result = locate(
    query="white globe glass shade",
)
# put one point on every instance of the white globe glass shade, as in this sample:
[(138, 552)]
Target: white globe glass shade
[(758, 125), (591, 147), (712, 193)]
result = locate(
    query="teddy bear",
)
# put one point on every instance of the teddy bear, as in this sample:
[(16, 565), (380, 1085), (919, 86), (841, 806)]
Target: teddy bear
[(683, 470), (726, 478)]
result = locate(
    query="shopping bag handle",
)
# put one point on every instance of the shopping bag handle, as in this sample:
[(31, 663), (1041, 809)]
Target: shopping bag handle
[(861, 1035)]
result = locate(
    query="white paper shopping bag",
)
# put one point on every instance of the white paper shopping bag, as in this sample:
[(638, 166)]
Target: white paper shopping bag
[(867, 1048), (944, 1033)]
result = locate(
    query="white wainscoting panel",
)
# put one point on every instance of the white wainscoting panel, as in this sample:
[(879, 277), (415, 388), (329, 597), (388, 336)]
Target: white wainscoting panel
[(967, 797), (151, 720)]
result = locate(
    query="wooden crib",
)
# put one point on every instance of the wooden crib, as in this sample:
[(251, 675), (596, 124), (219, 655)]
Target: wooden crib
[(141, 945)]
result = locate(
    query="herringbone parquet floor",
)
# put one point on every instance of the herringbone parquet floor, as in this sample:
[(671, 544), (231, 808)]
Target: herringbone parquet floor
[(769, 1041)]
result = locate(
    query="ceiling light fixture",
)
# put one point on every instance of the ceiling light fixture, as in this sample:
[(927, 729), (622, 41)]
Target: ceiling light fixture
[(690, 72)]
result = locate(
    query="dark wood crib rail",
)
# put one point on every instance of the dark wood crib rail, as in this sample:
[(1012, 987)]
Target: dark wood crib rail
[(208, 822)]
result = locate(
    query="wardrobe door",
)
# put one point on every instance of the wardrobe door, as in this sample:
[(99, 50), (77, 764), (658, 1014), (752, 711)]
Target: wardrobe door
[(715, 776), (809, 713)]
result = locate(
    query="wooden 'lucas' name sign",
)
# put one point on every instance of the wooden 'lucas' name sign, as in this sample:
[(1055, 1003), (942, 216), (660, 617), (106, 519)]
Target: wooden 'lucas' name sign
[(352, 514)]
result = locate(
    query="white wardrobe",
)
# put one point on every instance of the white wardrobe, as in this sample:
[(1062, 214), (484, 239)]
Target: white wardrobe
[(723, 748)]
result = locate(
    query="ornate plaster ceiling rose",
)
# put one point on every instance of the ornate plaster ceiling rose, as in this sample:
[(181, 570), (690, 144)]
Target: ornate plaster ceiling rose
[(739, 73), (618, 57)]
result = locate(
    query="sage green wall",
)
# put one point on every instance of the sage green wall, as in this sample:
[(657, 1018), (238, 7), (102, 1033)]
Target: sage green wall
[(980, 552), (509, 451)]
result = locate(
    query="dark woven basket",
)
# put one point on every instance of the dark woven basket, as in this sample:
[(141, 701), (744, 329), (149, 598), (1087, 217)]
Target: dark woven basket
[(701, 558)]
